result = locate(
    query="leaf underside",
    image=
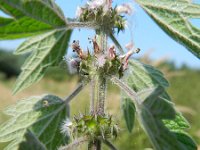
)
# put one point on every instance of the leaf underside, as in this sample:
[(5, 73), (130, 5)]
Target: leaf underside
[(38, 117), (163, 125), (173, 17), (48, 48), (47, 51)]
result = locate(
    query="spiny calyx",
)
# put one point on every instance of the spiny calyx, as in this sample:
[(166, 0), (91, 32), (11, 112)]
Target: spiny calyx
[(93, 126), (103, 63)]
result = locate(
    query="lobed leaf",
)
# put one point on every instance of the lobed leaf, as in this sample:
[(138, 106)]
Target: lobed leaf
[(173, 17), (39, 117), (163, 125), (48, 50), (29, 17)]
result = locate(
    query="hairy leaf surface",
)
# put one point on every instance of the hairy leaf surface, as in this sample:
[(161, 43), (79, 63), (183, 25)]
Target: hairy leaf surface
[(173, 17), (29, 17), (41, 116), (47, 50), (156, 113)]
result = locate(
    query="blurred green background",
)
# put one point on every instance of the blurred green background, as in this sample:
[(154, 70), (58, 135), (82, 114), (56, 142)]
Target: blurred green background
[(184, 91)]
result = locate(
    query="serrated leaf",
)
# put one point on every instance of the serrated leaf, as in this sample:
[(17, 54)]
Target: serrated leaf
[(128, 109), (48, 50), (40, 115), (173, 17), (144, 76), (26, 20), (155, 110)]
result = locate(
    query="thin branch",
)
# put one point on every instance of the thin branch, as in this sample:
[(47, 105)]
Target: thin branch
[(110, 145), (115, 41), (76, 24), (76, 143), (133, 95), (74, 93)]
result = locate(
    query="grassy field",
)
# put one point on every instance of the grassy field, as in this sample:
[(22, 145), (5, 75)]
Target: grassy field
[(184, 91)]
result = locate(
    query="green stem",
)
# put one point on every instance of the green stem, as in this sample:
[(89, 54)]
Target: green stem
[(94, 95), (94, 145), (102, 95), (102, 41), (98, 85)]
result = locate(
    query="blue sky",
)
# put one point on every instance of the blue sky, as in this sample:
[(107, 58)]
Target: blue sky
[(142, 30)]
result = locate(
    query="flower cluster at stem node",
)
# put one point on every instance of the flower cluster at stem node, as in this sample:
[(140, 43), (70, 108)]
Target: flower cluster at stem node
[(102, 63)]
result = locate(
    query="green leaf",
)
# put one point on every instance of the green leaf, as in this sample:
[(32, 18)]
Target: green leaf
[(41, 116), (26, 20), (173, 17), (128, 108), (48, 50), (154, 108), (31, 142)]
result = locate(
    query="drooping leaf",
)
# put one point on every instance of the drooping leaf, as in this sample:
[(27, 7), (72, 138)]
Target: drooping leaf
[(155, 109), (47, 50), (128, 109), (173, 17), (29, 17), (41, 116), (31, 142)]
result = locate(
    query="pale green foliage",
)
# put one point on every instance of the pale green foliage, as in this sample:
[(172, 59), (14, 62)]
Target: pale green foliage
[(48, 50), (42, 116), (36, 120), (173, 17), (154, 107)]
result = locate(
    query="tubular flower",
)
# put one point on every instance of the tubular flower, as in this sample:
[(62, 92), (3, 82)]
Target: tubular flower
[(100, 63), (124, 8)]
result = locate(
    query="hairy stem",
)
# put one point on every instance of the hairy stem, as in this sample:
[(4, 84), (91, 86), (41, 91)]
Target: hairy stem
[(102, 95), (89, 25), (94, 95), (94, 145), (102, 41), (76, 143), (98, 85)]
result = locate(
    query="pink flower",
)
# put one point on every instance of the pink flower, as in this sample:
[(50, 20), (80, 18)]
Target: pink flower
[(124, 8), (129, 46), (79, 11), (112, 52), (106, 4), (125, 58), (101, 60), (96, 3)]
